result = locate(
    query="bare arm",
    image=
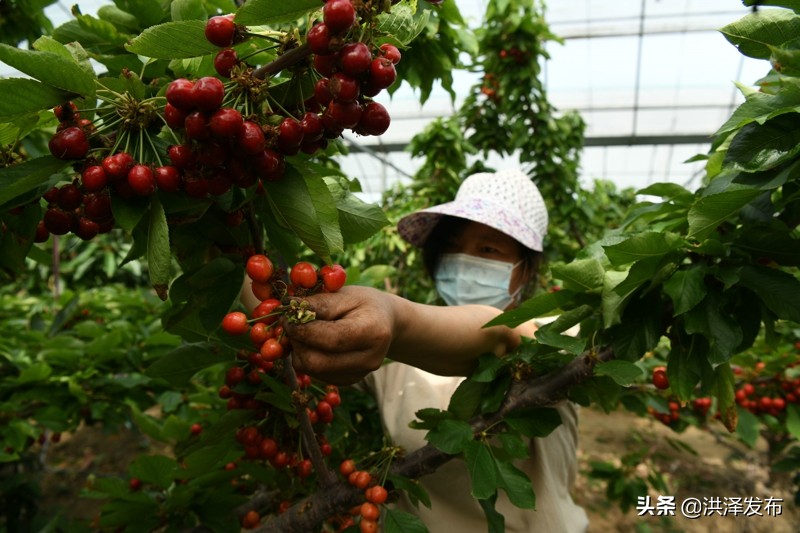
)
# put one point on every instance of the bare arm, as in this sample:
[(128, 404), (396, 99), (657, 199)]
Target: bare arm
[(358, 327)]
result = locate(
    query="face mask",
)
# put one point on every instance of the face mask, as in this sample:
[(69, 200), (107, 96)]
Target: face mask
[(465, 279)]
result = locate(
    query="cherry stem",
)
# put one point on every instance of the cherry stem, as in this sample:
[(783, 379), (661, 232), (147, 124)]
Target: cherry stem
[(326, 476), (292, 57)]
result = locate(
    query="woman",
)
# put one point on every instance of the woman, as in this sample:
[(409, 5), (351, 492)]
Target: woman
[(483, 250)]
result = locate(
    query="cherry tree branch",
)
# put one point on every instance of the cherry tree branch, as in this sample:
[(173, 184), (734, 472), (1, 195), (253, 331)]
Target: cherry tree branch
[(547, 390)]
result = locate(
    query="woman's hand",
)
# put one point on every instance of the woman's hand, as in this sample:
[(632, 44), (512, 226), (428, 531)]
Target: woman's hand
[(349, 338), (356, 328)]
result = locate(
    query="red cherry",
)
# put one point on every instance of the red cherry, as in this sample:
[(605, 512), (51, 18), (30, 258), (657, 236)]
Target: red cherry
[(57, 221), (290, 135), (197, 126), (303, 274), (374, 120), (265, 311), (135, 483), (343, 87), (250, 138), (70, 197), (322, 91), (226, 122), (268, 448), (370, 511), (181, 156), (324, 412), (174, 117), (234, 376), (196, 429), (660, 379), (69, 143), (391, 52), (326, 65), (142, 180), (179, 94), (168, 178), (271, 350), (355, 58), (338, 15), (208, 93), (87, 229), (347, 467), (66, 112), (42, 234), (220, 30), (319, 39), (118, 165), (225, 61), (376, 494), (343, 114), (97, 207), (268, 164), (333, 277), (235, 323), (382, 73), (262, 290), (259, 268), (312, 127)]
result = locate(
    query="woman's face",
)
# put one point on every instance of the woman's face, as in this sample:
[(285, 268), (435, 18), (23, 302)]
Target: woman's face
[(480, 240)]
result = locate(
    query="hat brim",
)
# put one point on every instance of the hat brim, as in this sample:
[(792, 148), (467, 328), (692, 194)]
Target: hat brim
[(416, 227)]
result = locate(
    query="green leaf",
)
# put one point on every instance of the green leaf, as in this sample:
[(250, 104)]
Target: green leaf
[(270, 12), (17, 180), (683, 365), (495, 520), (686, 289), (749, 427), (305, 204), (173, 40), (122, 20), (534, 421), (157, 470), (754, 33), (49, 68), (712, 210), (401, 24), (792, 420), (759, 107), (149, 12), (668, 191), (450, 436), (777, 289), (358, 220), (482, 470), (90, 32), (723, 332), (179, 366), (22, 96), (187, 10), (580, 275), (467, 398), (541, 305), (759, 147), (624, 373), (770, 243), (517, 485), (34, 373), (395, 521), (642, 246), (724, 385), (412, 488), (159, 258)]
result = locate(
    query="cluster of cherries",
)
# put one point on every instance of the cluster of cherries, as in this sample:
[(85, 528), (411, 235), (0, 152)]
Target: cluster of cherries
[(221, 142)]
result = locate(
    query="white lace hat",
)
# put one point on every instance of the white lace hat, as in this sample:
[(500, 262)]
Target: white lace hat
[(507, 201)]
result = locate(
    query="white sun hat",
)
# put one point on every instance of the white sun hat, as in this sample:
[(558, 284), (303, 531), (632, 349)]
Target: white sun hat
[(507, 201)]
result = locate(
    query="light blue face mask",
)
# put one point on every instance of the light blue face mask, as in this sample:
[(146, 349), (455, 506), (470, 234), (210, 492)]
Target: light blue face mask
[(465, 279)]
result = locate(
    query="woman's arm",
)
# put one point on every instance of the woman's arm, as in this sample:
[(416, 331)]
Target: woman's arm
[(357, 327)]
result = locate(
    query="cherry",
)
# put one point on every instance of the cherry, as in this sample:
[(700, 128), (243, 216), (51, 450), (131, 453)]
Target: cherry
[(343, 87), (259, 268), (322, 91), (251, 519), (319, 39), (179, 94), (69, 143), (168, 178), (304, 468), (117, 165), (225, 61), (326, 65), (347, 467), (97, 207), (208, 93), (250, 138), (290, 134), (265, 311), (382, 72), (70, 197), (375, 120), (660, 379), (312, 127), (196, 429), (66, 112), (226, 122), (370, 511), (333, 398), (355, 58), (338, 15), (391, 52), (268, 448), (235, 323), (303, 274), (51, 196), (325, 412), (57, 221), (268, 164), (174, 116), (261, 290), (271, 350), (220, 30), (343, 114), (367, 526), (181, 155), (41, 232), (142, 180), (234, 376), (87, 229), (333, 277), (135, 483), (361, 479), (197, 126), (376, 494)]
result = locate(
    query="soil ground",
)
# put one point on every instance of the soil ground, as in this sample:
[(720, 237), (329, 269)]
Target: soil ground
[(718, 468)]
